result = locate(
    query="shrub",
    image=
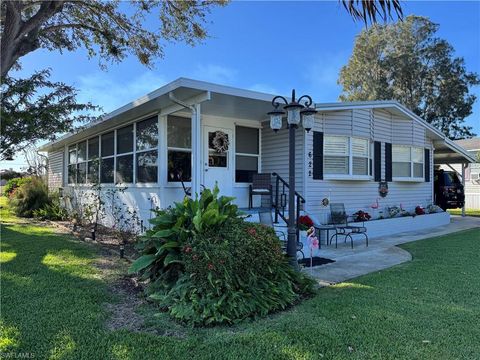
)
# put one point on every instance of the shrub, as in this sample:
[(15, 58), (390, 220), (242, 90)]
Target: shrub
[(208, 266), (232, 273), (29, 196), (52, 210), (14, 183)]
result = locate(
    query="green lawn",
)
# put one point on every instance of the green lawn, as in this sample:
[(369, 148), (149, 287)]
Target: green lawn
[(53, 300), (468, 212)]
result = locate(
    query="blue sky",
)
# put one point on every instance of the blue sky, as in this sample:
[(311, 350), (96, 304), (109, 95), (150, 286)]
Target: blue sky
[(265, 46)]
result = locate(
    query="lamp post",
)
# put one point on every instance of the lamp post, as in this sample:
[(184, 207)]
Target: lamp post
[(296, 113)]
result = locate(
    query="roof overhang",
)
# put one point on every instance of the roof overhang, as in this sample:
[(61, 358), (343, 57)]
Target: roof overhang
[(218, 100)]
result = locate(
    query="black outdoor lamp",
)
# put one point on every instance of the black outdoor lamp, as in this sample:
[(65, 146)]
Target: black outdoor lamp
[(296, 113)]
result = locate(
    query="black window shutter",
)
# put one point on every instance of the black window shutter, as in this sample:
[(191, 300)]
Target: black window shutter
[(377, 160), (427, 165), (388, 162), (317, 155)]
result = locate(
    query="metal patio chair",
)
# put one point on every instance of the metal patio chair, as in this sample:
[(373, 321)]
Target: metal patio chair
[(261, 185), (266, 218), (340, 220)]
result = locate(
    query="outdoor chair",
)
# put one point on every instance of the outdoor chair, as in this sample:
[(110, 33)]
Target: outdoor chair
[(261, 185), (266, 218), (340, 220)]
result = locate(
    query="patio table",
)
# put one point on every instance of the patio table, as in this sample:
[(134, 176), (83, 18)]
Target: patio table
[(325, 228)]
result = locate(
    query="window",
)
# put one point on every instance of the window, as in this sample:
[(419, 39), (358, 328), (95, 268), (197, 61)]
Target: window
[(93, 164), (344, 156), (125, 155), (72, 164), (107, 162), (179, 144), (407, 161), (247, 153), (146, 158), (124, 163), (216, 158)]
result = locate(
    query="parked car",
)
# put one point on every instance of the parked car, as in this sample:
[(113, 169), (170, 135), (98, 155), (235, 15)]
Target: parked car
[(449, 192)]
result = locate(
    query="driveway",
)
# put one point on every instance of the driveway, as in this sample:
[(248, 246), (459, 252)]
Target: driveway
[(381, 253)]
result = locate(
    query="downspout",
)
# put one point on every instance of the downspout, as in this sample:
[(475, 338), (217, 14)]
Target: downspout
[(196, 140)]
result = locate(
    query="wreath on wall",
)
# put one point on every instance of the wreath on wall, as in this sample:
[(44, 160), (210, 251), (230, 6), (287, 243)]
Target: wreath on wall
[(220, 142)]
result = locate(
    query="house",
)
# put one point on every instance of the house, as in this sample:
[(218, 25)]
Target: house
[(201, 133), (472, 172)]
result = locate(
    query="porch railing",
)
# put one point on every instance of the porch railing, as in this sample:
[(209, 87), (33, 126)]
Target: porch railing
[(280, 203)]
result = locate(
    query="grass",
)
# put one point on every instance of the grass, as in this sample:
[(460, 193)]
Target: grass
[(468, 212), (52, 306)]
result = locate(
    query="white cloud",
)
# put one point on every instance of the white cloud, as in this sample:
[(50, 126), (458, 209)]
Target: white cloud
[(215, 73), (102, 89)]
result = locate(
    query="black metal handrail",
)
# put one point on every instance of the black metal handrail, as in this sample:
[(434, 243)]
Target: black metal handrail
[(281, 201)]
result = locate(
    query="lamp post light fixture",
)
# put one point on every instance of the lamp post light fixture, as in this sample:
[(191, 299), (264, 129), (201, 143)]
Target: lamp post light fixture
[(296, 113)]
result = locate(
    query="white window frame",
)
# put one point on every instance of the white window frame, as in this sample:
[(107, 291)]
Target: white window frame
[(165, 181), (350, 175), (156, 148), (410, 178), (235, 153)]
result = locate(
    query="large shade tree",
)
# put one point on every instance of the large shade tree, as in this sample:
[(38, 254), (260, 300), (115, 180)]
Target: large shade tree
[(36, 108), (405, 61)]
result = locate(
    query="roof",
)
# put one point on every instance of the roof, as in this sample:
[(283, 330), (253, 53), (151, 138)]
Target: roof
[(258, 104), (469, 144)]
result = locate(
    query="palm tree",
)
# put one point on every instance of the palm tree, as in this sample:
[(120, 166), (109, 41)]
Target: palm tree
[(371, 10)]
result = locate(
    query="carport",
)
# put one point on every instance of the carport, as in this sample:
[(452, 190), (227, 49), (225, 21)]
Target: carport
[(446, 152)]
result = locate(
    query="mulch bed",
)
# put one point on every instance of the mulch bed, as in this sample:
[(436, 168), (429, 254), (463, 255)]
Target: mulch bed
[(316, 261)]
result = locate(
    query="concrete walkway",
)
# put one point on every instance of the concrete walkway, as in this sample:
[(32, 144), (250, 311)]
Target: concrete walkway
[(381, 253)]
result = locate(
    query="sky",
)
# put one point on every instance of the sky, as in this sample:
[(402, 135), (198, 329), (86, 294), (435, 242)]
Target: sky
[(270, 46)]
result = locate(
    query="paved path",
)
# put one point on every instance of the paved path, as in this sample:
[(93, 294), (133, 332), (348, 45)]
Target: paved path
[(381, 253)]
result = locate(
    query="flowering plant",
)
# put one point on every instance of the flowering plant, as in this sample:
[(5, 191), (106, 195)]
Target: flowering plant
[(361, 215), (419, 210), (305, 222)]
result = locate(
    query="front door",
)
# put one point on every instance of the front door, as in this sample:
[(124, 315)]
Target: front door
[(218, 159)]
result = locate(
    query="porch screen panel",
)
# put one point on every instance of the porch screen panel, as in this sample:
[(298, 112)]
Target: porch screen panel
[(93, 165), (72, 164), (179, 142), (146, 156), (107, 161), (247, 153)]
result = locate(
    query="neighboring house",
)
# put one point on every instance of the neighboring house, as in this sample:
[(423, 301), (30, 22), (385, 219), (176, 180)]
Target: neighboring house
[(472, 172), (180, 130)]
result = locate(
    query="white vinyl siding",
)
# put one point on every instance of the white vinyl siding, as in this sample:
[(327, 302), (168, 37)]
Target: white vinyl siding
[(363, 193)]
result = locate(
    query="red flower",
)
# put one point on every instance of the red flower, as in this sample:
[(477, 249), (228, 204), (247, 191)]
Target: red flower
[(305, 221), (187, 249), (210, 267), (419, 210), (252, 231)]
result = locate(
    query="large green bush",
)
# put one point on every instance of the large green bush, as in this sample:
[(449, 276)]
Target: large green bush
[(208, 266), (29, 196)]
